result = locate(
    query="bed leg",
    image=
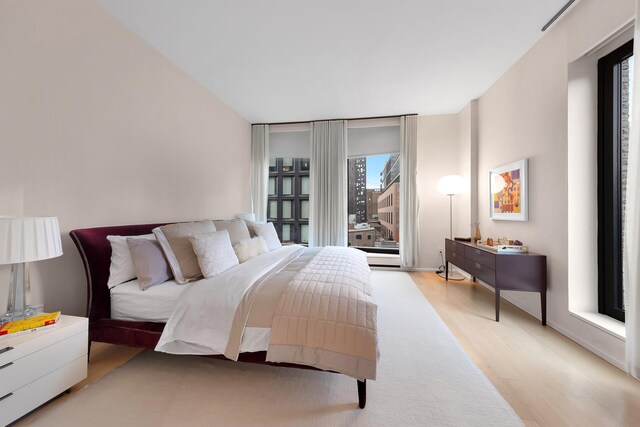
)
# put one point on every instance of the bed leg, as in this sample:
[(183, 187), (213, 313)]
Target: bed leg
[(362, 393)]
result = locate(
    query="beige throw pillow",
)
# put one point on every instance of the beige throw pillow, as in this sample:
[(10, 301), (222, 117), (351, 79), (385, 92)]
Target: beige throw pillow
[(236, 227), (214, 251), (174, 240)]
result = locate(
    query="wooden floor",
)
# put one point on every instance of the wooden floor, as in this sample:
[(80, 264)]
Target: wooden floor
[(547, 378)]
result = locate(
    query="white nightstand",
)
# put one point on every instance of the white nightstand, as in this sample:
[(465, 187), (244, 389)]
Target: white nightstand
[(38, 366)]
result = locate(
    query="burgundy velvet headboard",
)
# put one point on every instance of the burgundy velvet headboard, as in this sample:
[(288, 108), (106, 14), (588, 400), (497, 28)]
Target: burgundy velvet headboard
[(95, 251)]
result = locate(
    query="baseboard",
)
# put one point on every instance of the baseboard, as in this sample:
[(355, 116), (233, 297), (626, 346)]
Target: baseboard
[(617, 363)]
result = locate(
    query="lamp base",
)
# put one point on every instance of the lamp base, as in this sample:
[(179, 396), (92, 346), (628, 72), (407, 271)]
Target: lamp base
[(29, 311), (457, 277), (19, 288)]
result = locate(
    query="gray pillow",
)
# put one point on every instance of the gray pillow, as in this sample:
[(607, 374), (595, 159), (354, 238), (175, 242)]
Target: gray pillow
[(269, 234), (237, 229), (149, 262), (174, 241)]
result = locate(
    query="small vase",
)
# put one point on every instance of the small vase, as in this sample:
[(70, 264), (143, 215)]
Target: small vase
[(477, 237)]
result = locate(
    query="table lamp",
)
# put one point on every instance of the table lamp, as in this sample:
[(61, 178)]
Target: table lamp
[(24, 240)]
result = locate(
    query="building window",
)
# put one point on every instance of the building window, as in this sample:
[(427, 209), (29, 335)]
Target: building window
[(372, 181), (615, 81), (288, 207)]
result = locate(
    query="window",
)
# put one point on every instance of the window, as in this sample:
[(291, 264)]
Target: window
[(615, 82), (372, 182), (288, 207)]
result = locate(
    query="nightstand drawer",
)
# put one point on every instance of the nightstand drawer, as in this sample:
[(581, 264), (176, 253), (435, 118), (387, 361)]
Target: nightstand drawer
[(15, 404), (32, 342), (22, 371)]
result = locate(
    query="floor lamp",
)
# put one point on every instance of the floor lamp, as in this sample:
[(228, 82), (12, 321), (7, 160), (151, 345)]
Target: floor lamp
[(451, 185)]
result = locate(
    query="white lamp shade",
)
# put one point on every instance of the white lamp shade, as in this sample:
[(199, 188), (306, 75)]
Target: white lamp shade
[(451, 185), (29, 239), (497, 183)]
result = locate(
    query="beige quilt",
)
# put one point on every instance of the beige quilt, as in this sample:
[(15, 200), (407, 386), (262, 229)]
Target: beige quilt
[(326, 317)]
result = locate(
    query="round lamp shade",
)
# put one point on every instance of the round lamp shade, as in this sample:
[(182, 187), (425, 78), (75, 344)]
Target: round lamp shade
[(29, 239), (451, 185)]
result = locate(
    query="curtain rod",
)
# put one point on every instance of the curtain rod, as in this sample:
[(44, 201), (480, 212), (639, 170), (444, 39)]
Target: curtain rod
[(557, 15), (352, 118)]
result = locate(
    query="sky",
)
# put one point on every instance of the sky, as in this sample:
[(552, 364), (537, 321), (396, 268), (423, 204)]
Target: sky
[(374, 167)]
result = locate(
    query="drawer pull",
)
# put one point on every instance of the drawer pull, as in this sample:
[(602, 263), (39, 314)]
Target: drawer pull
[(6, 396), (6, 365), (478, 266), (4, 350)]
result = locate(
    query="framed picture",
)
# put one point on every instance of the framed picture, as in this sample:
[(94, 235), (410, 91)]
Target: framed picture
[(508, 192)]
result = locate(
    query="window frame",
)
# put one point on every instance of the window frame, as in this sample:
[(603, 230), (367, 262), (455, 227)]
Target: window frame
[(610, 272)]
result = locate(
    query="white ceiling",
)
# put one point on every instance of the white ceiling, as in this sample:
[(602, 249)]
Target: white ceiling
[(290, 60)]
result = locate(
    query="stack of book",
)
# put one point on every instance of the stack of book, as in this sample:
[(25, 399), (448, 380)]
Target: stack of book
[(30, 324)]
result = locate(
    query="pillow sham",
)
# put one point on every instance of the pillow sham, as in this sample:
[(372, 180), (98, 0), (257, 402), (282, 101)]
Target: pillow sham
[(215, 252), (249, 248), (251, 226), (268, 233), (174, 241), (121, 269), (150, 264), (236, 227)]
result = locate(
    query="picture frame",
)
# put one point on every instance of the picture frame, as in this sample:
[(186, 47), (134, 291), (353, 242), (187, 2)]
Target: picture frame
[(508, 192)]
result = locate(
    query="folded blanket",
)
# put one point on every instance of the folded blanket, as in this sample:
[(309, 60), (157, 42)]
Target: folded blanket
[(326, 318)]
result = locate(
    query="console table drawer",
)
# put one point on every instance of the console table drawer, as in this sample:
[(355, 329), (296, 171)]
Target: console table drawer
[(452, 246), (482, 257), (484, 273), (455, 258)]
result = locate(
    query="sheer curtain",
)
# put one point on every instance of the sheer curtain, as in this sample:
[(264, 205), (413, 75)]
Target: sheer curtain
[(632, 231), (409, 203), (259, 171), (328, 178)]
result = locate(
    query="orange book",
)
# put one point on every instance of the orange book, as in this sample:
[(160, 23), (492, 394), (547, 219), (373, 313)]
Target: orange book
[(29, 324)]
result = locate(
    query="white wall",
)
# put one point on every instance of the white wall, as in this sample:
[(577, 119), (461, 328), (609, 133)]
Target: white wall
[(438, 155), (99, 129), (525, 114)]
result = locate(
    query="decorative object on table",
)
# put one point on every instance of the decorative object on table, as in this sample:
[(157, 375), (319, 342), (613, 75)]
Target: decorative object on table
[(451, 185), (477, 236), (24, 240), (509, 195), (30, 324)]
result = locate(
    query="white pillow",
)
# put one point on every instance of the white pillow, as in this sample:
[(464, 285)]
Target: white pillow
[(214, 251), (121, 269), (249, 248), (268, 233)]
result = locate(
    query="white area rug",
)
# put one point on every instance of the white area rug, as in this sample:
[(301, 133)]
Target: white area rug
[(424, 379)]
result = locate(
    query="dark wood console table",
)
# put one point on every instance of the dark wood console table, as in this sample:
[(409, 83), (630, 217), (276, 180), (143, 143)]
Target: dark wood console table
[(503, 272)]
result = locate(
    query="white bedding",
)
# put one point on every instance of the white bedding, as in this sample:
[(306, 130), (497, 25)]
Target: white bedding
[(155, 304), (202, 319)]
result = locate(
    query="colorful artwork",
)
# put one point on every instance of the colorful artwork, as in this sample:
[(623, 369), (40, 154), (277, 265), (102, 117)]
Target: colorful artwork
[(508, 186)]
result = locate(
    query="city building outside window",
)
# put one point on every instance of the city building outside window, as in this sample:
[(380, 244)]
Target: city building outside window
[(373, 191), (288, 207)]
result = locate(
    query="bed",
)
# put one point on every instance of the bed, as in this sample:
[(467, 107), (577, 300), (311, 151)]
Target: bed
[(127, 316)]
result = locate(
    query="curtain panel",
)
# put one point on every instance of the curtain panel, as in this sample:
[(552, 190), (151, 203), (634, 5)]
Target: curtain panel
[(328, 178), (632, 224), (259, 171), (409, 203)]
